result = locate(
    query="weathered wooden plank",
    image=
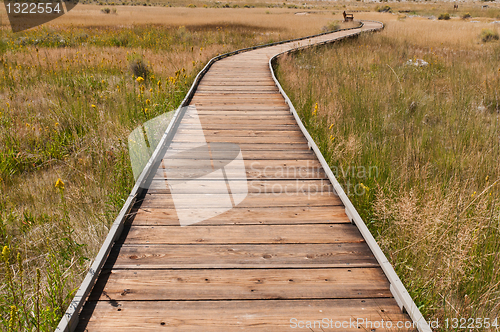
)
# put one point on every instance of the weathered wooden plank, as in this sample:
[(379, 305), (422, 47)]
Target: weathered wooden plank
[(272, 112), (254, 172), (226, 116), (255, 126), (247, 109), (243, 133), (229, 71), (236, 89), (237, 96), (242, 284), (223, 123), (248, 155), (241, 139), (236, 81), (270, 99), (252, 186), (254, 104), (291, 165), (229, 68), (244, 234), (225, 256), (181, 156), (246, 315), (251, 146), (246, 216), (190, 201), (232, 76), (231, 90)]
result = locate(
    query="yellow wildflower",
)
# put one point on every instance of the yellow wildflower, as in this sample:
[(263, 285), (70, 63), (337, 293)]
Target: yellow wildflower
[(331, 126), (93, 106), (315, 109), (140, 79), (59, 184), (6, 253)]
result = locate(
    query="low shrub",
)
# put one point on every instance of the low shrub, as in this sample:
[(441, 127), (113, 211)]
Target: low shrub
[(139, 68), (331, 26), (488, 35), (383, 9), (444, 16)]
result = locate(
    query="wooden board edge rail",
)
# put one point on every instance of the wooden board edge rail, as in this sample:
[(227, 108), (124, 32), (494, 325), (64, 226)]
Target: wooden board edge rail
[(70, 318), (397, 288)]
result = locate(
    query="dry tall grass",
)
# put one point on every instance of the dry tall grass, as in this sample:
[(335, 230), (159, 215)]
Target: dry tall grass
[(433, 134)]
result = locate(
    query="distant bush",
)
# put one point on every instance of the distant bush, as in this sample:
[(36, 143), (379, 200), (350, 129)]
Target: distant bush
[(466, 15), (121, 40), (105, 10), (383, 9), (488, 35), (444, 16), (139, 68), (331, 26), (192, 5)]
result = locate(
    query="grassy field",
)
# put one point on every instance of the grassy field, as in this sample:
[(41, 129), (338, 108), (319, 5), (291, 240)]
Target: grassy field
[(69, 97), (432, 134)]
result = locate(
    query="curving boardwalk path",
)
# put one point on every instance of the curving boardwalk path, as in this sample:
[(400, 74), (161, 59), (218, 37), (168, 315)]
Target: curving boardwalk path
[(285, 256)]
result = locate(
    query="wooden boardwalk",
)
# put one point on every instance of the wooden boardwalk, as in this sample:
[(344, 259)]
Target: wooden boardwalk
[(286, 255)]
